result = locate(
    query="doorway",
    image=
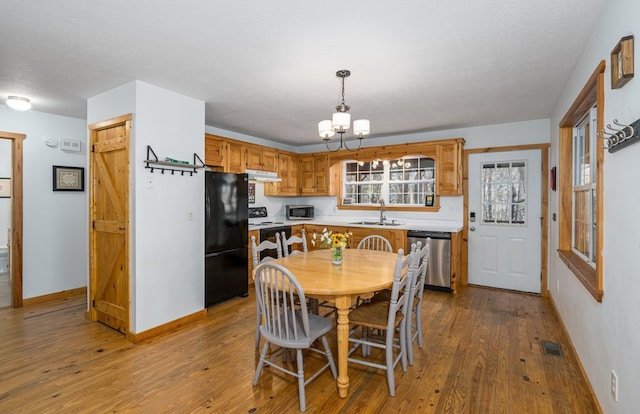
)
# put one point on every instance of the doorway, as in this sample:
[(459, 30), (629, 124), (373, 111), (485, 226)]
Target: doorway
[(504, 220), (14, 237), (505, 227)]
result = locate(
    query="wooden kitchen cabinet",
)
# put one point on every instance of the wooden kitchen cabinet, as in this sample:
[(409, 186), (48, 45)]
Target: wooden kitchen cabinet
[(236, 162), (449, 168), (287, 169), (317, 228), (397, 238), (215, 149), (314, 175), (260, 158)]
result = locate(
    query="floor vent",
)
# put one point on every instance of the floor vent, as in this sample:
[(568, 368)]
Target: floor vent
[(551, 348)]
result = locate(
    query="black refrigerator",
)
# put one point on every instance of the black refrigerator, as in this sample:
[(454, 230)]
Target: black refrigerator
[(226, 226)]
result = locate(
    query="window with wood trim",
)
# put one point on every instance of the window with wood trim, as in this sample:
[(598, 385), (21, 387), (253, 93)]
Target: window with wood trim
[(408, 181), (580, 184)]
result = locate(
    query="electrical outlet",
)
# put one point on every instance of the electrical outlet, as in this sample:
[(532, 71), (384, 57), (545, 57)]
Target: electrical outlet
[(190, 215), (614, 385)]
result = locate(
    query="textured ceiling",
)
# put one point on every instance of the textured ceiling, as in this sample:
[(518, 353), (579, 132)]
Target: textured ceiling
[(267, 68)]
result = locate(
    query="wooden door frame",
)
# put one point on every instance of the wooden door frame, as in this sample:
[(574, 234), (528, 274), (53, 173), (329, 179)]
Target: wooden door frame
[(544, 180), (15, 247)]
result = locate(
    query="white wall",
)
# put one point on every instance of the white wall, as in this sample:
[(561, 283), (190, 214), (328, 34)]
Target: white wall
[(54, 223), (607, 335), (167, 211)]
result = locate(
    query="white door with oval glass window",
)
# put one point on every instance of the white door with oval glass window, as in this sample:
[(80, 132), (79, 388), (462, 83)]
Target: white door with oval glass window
[(505, 220)]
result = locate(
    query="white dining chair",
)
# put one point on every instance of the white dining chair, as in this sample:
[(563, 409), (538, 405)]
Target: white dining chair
[(387, 317), (291, 240), (375, 242), (416, 291), (255, 254), (288, 325)]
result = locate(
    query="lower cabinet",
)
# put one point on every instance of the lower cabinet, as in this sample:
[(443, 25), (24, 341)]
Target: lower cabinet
[(314, 231), (397, 238)]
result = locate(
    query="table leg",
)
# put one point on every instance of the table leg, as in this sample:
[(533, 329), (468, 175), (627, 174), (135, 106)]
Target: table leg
[(342, 305)]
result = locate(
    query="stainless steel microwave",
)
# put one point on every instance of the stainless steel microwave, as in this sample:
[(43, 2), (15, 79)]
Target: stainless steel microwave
[(299, 212)]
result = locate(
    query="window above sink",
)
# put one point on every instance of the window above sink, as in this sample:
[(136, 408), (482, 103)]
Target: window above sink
[(407, 181)]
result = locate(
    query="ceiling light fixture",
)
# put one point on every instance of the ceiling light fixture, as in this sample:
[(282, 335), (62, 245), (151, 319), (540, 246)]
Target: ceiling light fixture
[(18, 103), (341, 121)]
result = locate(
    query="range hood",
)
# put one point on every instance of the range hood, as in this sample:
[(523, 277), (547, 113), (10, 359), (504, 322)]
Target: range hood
[(263, 176)]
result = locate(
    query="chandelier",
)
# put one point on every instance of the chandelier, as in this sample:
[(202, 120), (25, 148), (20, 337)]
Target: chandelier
[(341, 121)]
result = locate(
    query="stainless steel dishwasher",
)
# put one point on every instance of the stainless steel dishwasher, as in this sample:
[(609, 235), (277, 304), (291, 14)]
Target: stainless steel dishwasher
[(439, 267)]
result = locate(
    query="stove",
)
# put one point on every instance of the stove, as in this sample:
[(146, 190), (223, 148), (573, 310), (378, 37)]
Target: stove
[(257, 212), (268, 223)]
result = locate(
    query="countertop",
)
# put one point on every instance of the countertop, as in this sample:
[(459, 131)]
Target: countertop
[(401, 224)]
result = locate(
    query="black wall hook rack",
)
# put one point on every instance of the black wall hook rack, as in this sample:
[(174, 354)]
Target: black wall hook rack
[(153, 163), (620, 136)]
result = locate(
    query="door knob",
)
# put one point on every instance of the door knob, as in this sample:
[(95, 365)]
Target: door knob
[(472, 228)]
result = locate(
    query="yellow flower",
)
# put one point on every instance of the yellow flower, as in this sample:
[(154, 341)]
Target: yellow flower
[(330, 239)]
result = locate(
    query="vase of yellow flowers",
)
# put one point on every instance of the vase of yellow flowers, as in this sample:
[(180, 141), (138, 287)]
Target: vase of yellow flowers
[(336, 241)]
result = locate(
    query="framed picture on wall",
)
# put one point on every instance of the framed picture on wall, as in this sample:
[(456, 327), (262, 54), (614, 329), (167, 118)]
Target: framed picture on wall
[(68, 178), (5, 187)]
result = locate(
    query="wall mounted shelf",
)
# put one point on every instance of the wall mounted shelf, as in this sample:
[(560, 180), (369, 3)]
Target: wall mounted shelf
[(153, 163)]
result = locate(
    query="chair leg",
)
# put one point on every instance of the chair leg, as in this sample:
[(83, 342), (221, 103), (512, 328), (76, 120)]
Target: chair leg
[(389, 362), (403, 345), (364, 348), (327, 350), (263, 357), (313, 305), (419, 325), (303, 402), (409, 339), (258, 323)]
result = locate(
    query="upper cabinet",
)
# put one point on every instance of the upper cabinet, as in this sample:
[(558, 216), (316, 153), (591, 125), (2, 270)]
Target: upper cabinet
[(236, 156), (287, 168), (449, 168), (215, 149), (260, 158), (319, 174), (314, 174)]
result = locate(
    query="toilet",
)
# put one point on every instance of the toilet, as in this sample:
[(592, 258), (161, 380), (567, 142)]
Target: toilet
[(4, 259)]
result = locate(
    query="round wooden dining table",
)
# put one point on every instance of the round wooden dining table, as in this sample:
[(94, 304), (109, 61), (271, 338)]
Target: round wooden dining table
[(361, 272)]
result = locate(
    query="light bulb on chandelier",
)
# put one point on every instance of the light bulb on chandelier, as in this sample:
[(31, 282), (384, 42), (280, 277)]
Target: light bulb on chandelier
[(340, 122)]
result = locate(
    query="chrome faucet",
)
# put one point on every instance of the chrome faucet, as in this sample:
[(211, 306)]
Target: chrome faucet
[(382, 210)]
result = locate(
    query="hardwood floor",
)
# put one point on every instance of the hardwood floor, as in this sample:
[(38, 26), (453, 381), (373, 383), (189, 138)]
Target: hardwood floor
[(482, 355)]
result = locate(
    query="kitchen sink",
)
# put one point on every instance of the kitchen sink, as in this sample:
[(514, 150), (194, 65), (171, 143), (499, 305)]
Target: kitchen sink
[(376, 223)]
